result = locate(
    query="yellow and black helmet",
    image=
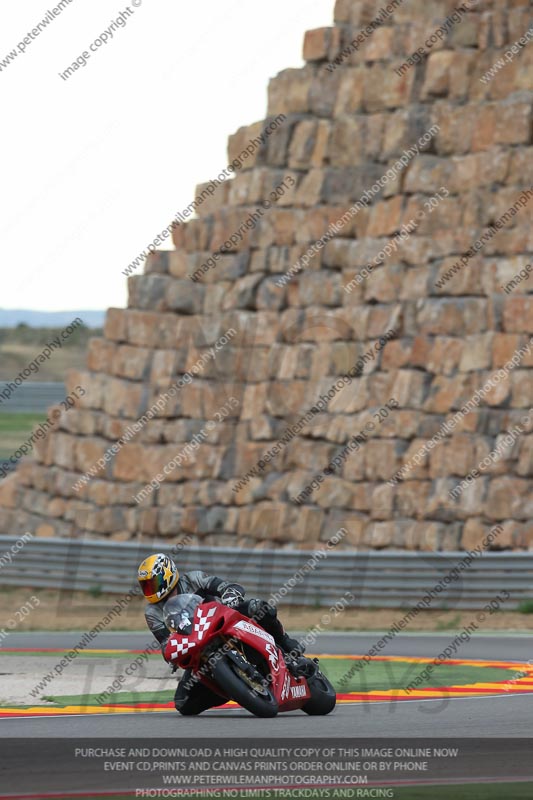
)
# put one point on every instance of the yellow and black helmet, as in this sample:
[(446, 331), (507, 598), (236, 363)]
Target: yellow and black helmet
[(157, 576)]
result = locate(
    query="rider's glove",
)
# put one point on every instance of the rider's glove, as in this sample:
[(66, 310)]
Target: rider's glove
[(232, 596)]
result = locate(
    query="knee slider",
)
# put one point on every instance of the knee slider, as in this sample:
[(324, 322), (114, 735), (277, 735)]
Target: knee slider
[(261, 609), (268, 610), (253, 606)]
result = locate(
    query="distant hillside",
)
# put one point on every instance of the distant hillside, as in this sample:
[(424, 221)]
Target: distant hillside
[(10, 318), (20, 345)]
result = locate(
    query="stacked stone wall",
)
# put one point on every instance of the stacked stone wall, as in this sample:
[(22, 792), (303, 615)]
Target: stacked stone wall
[(381, 231)]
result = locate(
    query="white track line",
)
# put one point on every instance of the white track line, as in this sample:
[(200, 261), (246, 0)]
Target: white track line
[(438, 699)]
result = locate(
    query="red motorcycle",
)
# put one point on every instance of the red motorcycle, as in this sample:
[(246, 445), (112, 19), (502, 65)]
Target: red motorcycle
[(235, 657)]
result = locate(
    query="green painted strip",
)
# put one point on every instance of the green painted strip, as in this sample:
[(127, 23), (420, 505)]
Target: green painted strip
[(375, 676)]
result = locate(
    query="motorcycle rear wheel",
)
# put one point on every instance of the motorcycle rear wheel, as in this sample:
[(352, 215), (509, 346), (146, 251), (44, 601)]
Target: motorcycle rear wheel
[(237, 687), (323, 696)]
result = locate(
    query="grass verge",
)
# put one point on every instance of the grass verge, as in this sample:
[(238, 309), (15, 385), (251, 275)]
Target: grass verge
[(15, 429), (80, 611)]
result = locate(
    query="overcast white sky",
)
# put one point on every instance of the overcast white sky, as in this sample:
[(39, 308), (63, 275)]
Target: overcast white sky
[(95, 167)]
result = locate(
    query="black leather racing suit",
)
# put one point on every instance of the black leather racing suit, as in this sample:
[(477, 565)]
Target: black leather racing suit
[(192, 697)]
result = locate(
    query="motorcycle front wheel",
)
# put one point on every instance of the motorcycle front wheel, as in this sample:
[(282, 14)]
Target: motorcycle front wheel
[(253, 695)]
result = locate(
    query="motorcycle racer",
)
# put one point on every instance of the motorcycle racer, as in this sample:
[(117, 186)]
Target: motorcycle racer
[(160, 580)]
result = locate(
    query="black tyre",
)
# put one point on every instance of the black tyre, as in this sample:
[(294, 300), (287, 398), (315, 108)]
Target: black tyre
[(323, 695), (254, 696)]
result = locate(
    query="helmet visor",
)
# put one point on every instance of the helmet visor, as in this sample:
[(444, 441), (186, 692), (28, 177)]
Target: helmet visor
[(154, 586)]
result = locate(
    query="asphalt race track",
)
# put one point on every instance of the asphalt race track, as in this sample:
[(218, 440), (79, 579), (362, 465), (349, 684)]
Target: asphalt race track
[(517, 647), (499, 716), (502, 716)]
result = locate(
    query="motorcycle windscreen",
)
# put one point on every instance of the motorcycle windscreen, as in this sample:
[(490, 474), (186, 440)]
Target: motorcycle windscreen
[(179, 611)]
